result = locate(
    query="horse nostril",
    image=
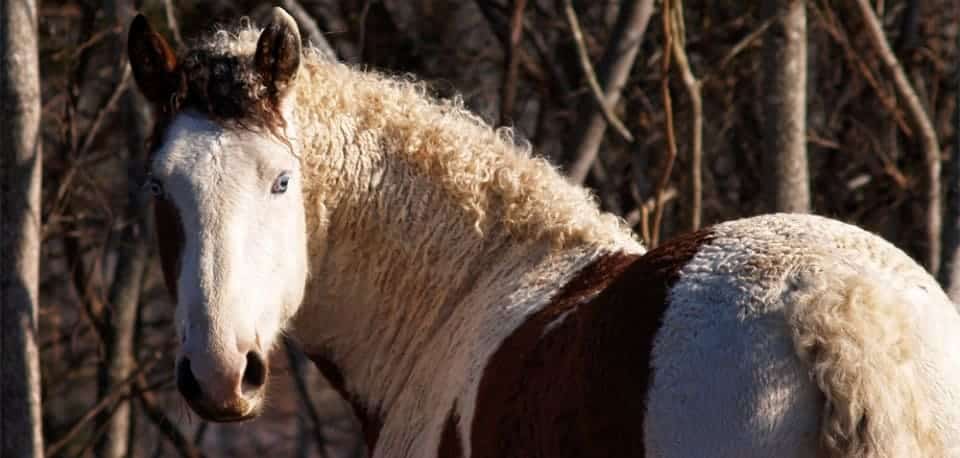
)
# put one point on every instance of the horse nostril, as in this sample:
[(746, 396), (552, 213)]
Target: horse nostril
[(186, 383), (255, 375)]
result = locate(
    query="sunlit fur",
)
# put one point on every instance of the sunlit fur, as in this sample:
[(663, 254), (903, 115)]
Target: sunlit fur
[(803, 327)]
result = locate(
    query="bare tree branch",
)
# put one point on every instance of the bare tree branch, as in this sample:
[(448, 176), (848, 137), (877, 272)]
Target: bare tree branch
[(671, 139), (612, 72), (696, 114), (634, 216), (295, 360), (587, 68), (164, 424), (362, 28), (115, 394), (737, 48), (835, 29), (921, 121), (510, 74), (87, 143), (499, 29)]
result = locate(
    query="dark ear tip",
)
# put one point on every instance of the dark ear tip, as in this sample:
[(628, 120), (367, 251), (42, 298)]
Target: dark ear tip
[(152, 61), (139, 25)]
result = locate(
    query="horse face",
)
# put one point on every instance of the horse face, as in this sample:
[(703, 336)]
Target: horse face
[(231, 227), (236, 197)]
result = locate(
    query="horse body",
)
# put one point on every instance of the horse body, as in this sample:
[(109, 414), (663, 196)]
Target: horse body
[(818, 339), (687, 350), (471, 303)]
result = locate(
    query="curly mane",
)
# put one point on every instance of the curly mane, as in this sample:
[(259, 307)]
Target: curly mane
[(491, 178)]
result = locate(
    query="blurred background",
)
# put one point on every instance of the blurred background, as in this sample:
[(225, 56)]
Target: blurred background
[(676, 113)]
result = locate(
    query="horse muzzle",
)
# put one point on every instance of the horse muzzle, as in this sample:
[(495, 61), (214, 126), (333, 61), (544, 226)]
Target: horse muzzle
[(224, 398)]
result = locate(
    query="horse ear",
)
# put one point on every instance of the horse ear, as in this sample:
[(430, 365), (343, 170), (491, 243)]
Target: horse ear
[(278, 52), (152, 60)]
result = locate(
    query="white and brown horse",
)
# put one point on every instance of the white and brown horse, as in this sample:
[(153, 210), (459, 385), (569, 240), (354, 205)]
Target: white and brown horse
[(471, 303)]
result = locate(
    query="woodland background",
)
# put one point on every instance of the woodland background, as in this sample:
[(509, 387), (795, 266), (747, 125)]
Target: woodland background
[(711, 110)]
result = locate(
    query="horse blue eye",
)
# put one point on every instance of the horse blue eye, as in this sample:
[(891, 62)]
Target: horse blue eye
[(280, 185)]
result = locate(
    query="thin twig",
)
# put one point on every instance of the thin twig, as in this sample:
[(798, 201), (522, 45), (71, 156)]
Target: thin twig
[(696, 109), (107, 108), (200, 433), (839, 34), (96, 38), (613, 73), (671, 139), (645, 226), (117, 392), (529, 64), (634, 216), (591, 75), (362, 28), (510, 74), (164, 424), (734, 51), (558, 78), (82, 280), (93, 132)]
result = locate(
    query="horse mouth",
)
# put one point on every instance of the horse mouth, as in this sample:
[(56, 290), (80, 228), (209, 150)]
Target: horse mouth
[(228, 419), (236, 411)]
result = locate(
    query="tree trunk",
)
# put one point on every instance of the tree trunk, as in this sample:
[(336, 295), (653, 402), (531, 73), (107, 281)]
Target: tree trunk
[(120, 316), (950, 269), (20, 161), (785, 91)]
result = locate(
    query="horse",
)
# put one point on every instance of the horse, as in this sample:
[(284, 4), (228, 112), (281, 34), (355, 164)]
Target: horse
[(469, 302)]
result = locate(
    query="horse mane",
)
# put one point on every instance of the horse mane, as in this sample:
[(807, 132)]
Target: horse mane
[(492, 178)]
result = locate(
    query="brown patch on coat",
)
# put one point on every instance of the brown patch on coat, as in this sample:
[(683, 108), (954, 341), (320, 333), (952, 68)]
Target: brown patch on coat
[(370, 421), (572, 380), (170, 239), (451, 444)]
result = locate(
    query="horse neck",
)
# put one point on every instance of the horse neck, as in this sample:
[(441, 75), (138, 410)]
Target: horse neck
[(400, 271)]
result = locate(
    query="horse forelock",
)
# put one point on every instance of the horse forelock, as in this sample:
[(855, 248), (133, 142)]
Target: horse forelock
[(217, 79)]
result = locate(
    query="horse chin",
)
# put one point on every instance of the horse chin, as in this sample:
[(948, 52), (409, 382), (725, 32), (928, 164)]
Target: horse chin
[(238, 411)]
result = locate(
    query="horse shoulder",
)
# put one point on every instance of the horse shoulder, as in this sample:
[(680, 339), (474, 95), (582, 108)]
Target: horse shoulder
[(571, 381)]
